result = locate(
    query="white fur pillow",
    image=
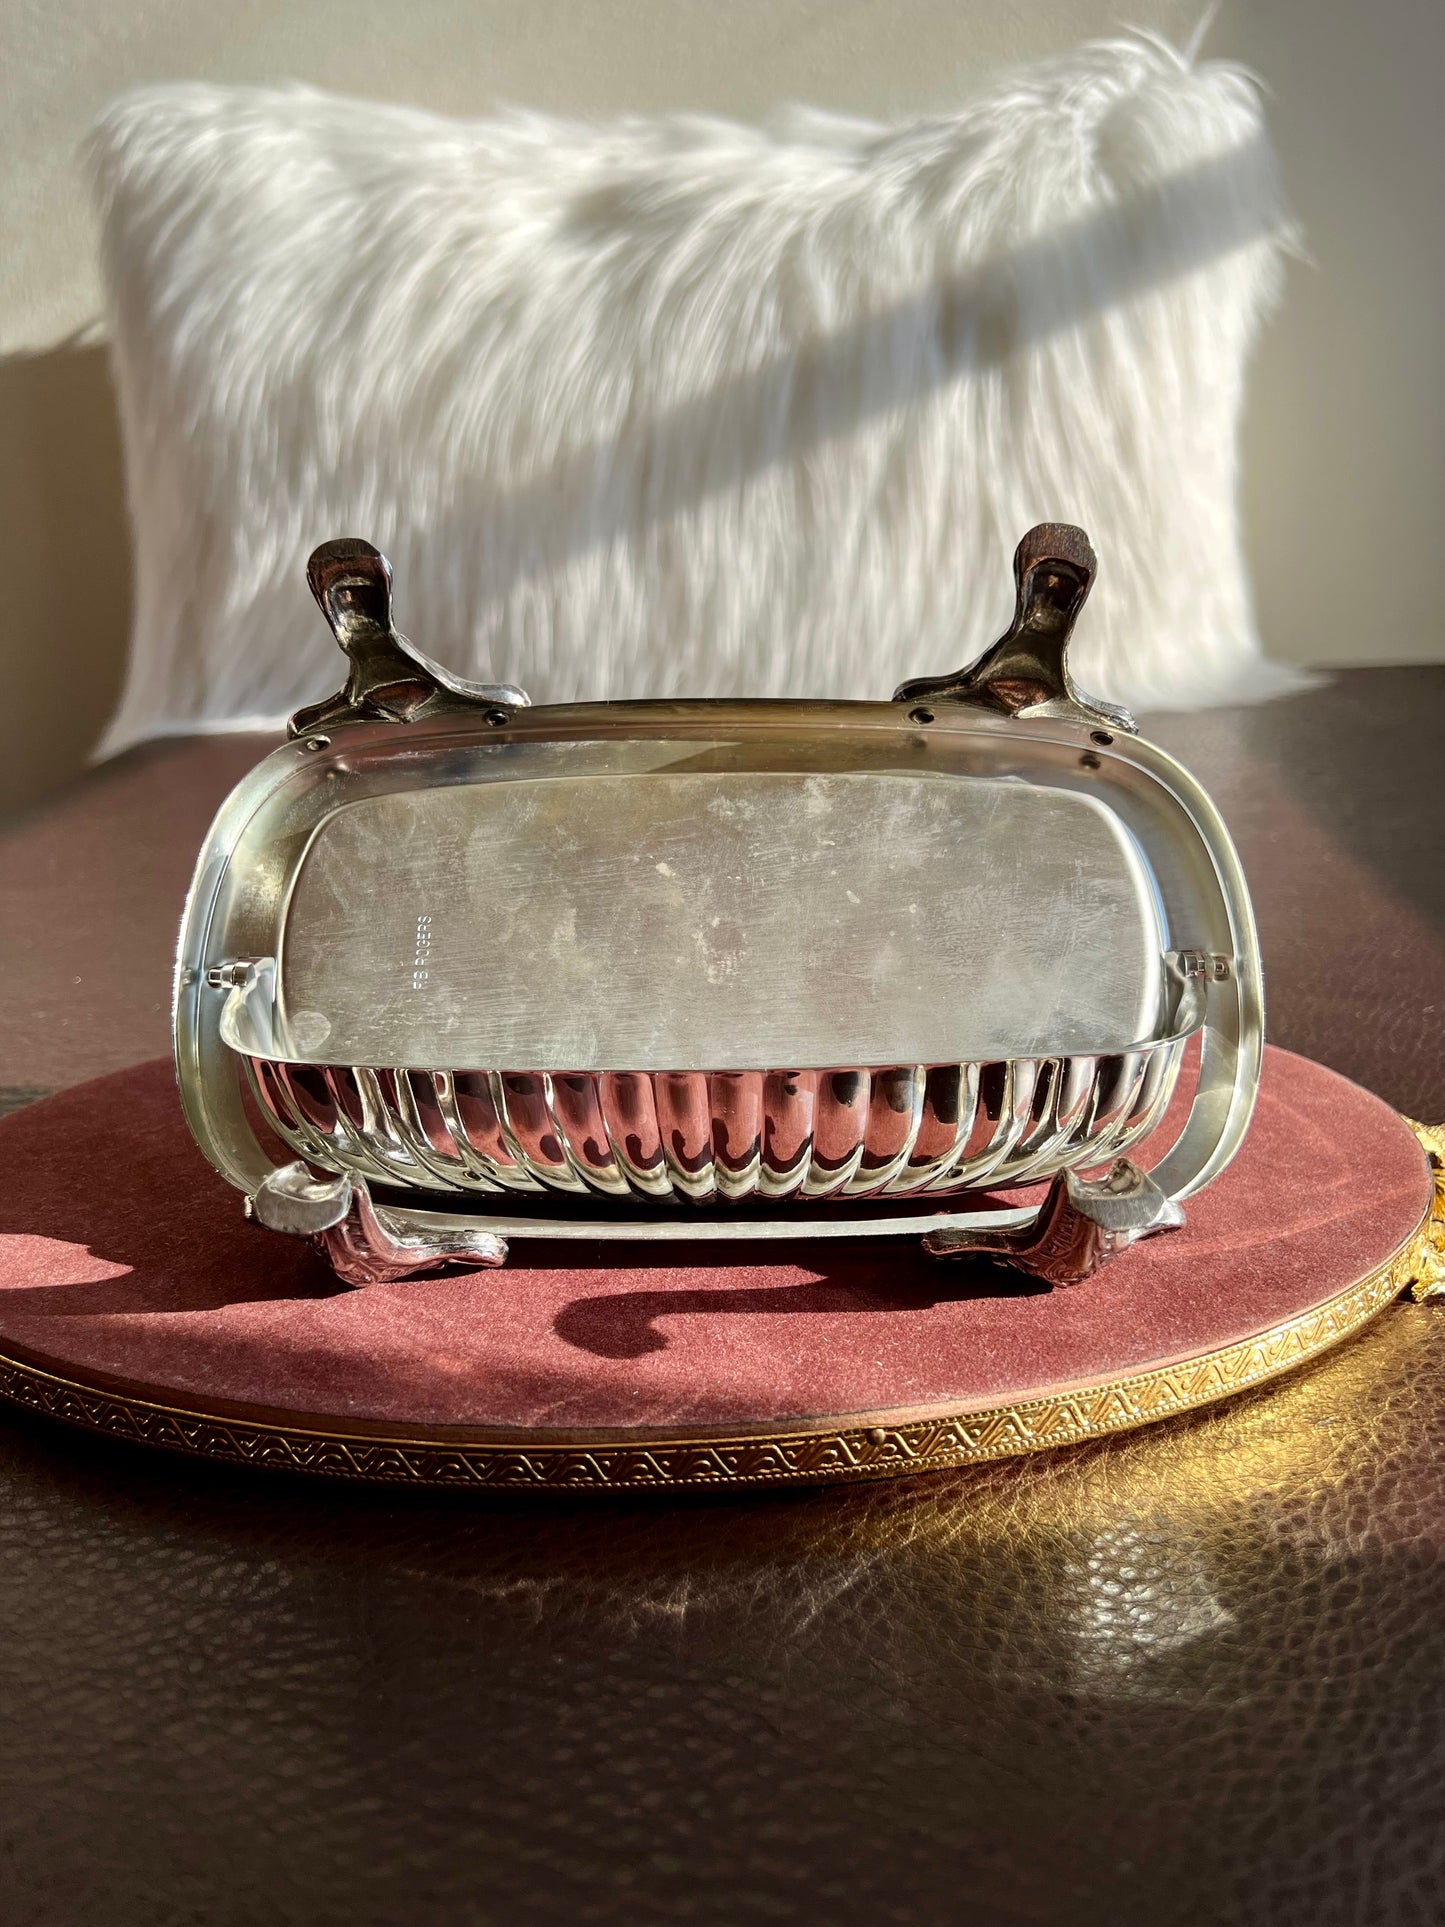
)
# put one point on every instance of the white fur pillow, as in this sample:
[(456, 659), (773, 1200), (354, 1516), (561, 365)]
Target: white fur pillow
[(677, 406)]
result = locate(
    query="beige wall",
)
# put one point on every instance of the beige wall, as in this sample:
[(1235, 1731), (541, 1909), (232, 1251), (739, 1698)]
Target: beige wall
[(1344, 443)]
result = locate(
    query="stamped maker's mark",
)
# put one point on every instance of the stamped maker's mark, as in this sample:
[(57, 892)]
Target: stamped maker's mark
[(419, 971)]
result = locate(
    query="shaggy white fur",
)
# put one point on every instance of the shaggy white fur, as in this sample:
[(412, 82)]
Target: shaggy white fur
[(678, 406)]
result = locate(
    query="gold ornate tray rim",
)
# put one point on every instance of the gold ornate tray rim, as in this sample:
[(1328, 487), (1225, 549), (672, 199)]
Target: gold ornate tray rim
[(859, 1448)]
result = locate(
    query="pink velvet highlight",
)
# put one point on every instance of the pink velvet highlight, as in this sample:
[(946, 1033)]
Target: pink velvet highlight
[(123, 1255)]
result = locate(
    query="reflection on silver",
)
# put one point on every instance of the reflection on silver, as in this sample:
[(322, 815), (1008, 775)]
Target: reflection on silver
[(680, 1137), (365, 1243)]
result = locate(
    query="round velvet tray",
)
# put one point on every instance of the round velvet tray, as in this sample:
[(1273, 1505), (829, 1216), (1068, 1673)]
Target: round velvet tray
[(135, 1299)]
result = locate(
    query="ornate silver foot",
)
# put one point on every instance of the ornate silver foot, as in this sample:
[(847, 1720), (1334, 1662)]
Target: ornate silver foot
[(1082, 1224), (361, 1240)]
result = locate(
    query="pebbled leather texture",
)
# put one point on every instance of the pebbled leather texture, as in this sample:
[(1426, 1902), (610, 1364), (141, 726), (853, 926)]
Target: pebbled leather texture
[(1193, 1675)]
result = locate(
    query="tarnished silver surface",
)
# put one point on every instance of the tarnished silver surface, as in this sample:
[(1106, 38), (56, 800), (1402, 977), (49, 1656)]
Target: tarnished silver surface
[(1026, 672), (391, 680), (756, 959), (695, 921)]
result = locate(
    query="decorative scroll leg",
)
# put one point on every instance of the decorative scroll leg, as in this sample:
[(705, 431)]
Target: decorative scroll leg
[(1026, 672), (361, 1240), (391, 680), (1081, 1225)]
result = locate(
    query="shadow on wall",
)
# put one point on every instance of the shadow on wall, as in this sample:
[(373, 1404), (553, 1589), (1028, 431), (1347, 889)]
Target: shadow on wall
[(68, 569)]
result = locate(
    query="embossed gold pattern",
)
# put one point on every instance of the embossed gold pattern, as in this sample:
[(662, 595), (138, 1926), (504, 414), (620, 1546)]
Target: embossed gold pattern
[(1430, 1283), (859, 1451)]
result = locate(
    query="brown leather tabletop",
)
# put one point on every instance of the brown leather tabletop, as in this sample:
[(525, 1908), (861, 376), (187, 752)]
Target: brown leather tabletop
[(1191, 1675)]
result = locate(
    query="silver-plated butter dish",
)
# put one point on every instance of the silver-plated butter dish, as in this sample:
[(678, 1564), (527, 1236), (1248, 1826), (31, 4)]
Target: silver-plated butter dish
[(683, 969)]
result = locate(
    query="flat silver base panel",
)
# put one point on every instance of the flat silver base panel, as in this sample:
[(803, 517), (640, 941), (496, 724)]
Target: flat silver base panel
[(666, 920)]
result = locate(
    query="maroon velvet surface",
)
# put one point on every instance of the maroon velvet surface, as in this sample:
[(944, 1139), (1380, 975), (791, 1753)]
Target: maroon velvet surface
[(122, 1254)]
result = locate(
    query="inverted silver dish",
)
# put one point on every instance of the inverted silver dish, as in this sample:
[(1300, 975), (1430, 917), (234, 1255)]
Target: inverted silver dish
[(714, 968)]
